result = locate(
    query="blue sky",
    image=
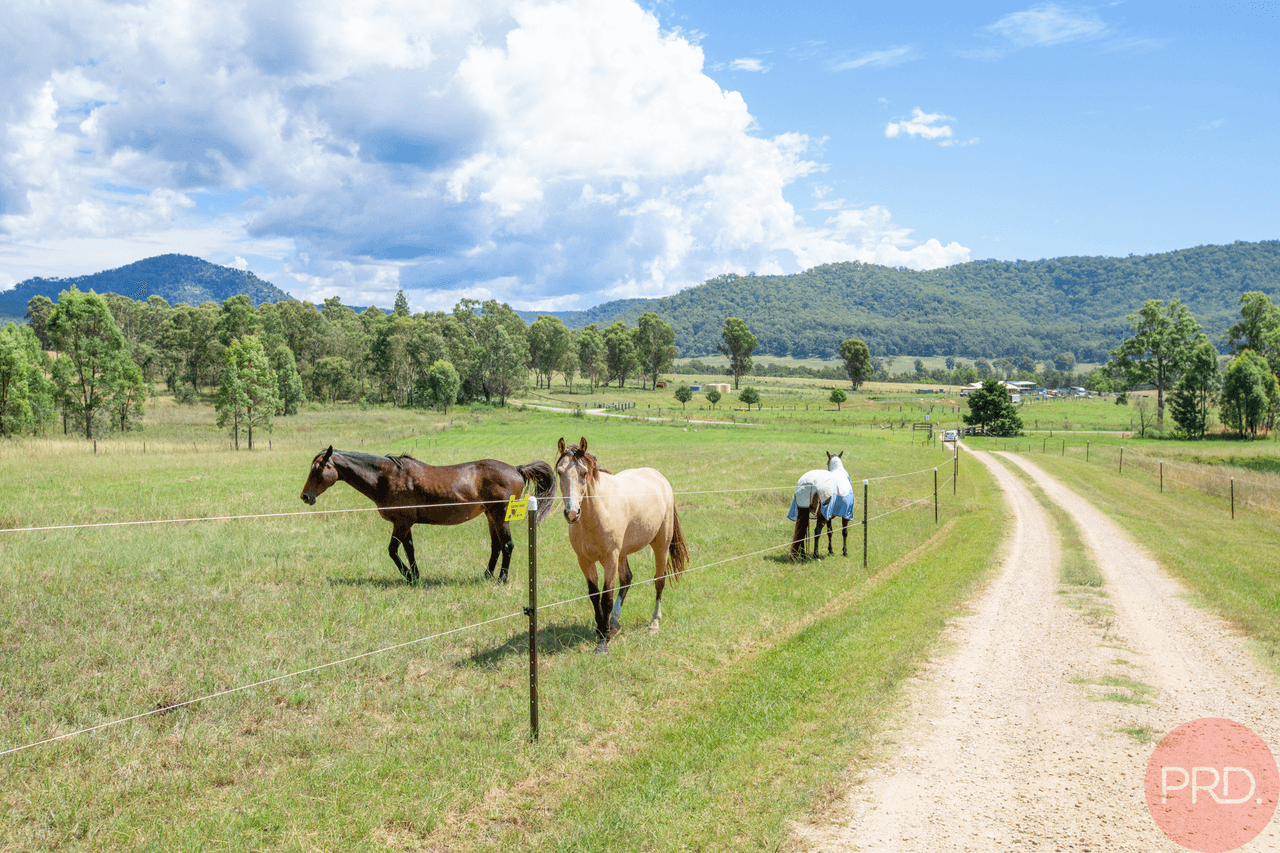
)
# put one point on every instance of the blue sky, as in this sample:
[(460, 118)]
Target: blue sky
[(556, 154)]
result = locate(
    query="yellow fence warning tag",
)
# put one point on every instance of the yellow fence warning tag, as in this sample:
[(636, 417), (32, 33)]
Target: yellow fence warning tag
[(517, 508)]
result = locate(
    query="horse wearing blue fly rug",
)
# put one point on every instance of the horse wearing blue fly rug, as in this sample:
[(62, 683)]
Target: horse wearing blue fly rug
[(826, 494)]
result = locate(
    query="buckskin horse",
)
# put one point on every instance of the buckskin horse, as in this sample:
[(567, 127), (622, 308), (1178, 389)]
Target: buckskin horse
[(409, 492), (826, 495), (611, 516)]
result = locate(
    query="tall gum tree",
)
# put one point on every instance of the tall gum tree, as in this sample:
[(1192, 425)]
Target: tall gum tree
[(857, 361), (92, 355), (1163, 338), (738, 343)]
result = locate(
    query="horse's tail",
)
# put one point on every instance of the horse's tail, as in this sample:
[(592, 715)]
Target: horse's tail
[(678, 550), (801, 533), (543, 477), (805, 494)]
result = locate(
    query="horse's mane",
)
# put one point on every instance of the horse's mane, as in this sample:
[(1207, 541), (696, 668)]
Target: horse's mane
[(594, 469), (372, 460)]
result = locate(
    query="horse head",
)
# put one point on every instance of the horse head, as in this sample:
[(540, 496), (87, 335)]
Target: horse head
[(577, 470), (323, 475), (834, 463)]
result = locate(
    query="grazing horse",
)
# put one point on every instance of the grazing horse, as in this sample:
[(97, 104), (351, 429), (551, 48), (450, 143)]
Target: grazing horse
[(827, 495), (611, 516), (410, 492)]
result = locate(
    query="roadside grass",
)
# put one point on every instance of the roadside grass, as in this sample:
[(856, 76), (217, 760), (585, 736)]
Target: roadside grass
[(1123, 689), (1231, 566), (1141, 734), (766, 675), (1082, 582)]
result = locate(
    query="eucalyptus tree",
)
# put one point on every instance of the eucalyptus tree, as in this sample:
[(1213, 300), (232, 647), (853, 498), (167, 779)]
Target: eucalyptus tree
[(549, 340), (93, 356), (438, 387), (289, 386), (1249, 392), (857, 361), (1196, 390), (655, 346), (15, 394), (1162, 338), (38, 310), (737, 342), (591, 355), (620, 353), (249, 394)]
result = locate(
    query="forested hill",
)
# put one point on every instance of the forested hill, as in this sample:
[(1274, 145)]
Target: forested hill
[(991, 308), (177, 278)]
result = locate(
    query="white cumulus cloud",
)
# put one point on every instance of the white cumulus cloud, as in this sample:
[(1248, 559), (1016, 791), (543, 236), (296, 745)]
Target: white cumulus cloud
[(922, 124), (546, 152)]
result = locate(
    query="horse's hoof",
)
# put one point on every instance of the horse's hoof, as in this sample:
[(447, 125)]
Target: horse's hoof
[(602, 647), (653, 627)]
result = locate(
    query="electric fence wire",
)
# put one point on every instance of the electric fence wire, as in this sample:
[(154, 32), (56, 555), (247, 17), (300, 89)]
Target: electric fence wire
[(330, 664)]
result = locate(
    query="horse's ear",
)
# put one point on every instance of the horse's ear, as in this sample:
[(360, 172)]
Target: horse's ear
[(561, 447), (828, 452), (327, 454), (582, 445), (840, 454)]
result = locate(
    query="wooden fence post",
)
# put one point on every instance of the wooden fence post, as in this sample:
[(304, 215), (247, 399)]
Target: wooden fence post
[(1122, 459), (532, 610), (865, 503), (1233, 497), (935, 495)]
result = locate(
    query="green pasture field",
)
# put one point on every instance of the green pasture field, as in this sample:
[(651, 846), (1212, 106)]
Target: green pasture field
[(401, 731), (799, 402), (1231, 565), (900, 362)]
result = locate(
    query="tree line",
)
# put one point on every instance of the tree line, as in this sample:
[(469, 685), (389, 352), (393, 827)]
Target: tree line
[(90, 361), (1169, 352)]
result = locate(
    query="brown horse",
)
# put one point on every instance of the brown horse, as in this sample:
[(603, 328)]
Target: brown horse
[(611, 516), (410, 492)]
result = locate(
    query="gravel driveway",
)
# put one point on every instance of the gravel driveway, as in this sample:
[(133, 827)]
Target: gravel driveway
[(1008, 741)]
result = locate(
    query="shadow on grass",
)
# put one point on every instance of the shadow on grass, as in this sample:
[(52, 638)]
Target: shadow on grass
[(424, 582), (784, 558), (554, 638)]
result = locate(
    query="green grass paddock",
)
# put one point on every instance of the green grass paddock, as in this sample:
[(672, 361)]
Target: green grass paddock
[(766, 675)]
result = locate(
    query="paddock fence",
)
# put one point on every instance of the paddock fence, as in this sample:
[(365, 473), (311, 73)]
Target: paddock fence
[(1259, 492), (929, 492)]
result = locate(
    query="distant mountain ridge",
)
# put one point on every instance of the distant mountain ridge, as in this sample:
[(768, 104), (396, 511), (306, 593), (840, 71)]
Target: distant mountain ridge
[(982, 308), (176, 278)]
